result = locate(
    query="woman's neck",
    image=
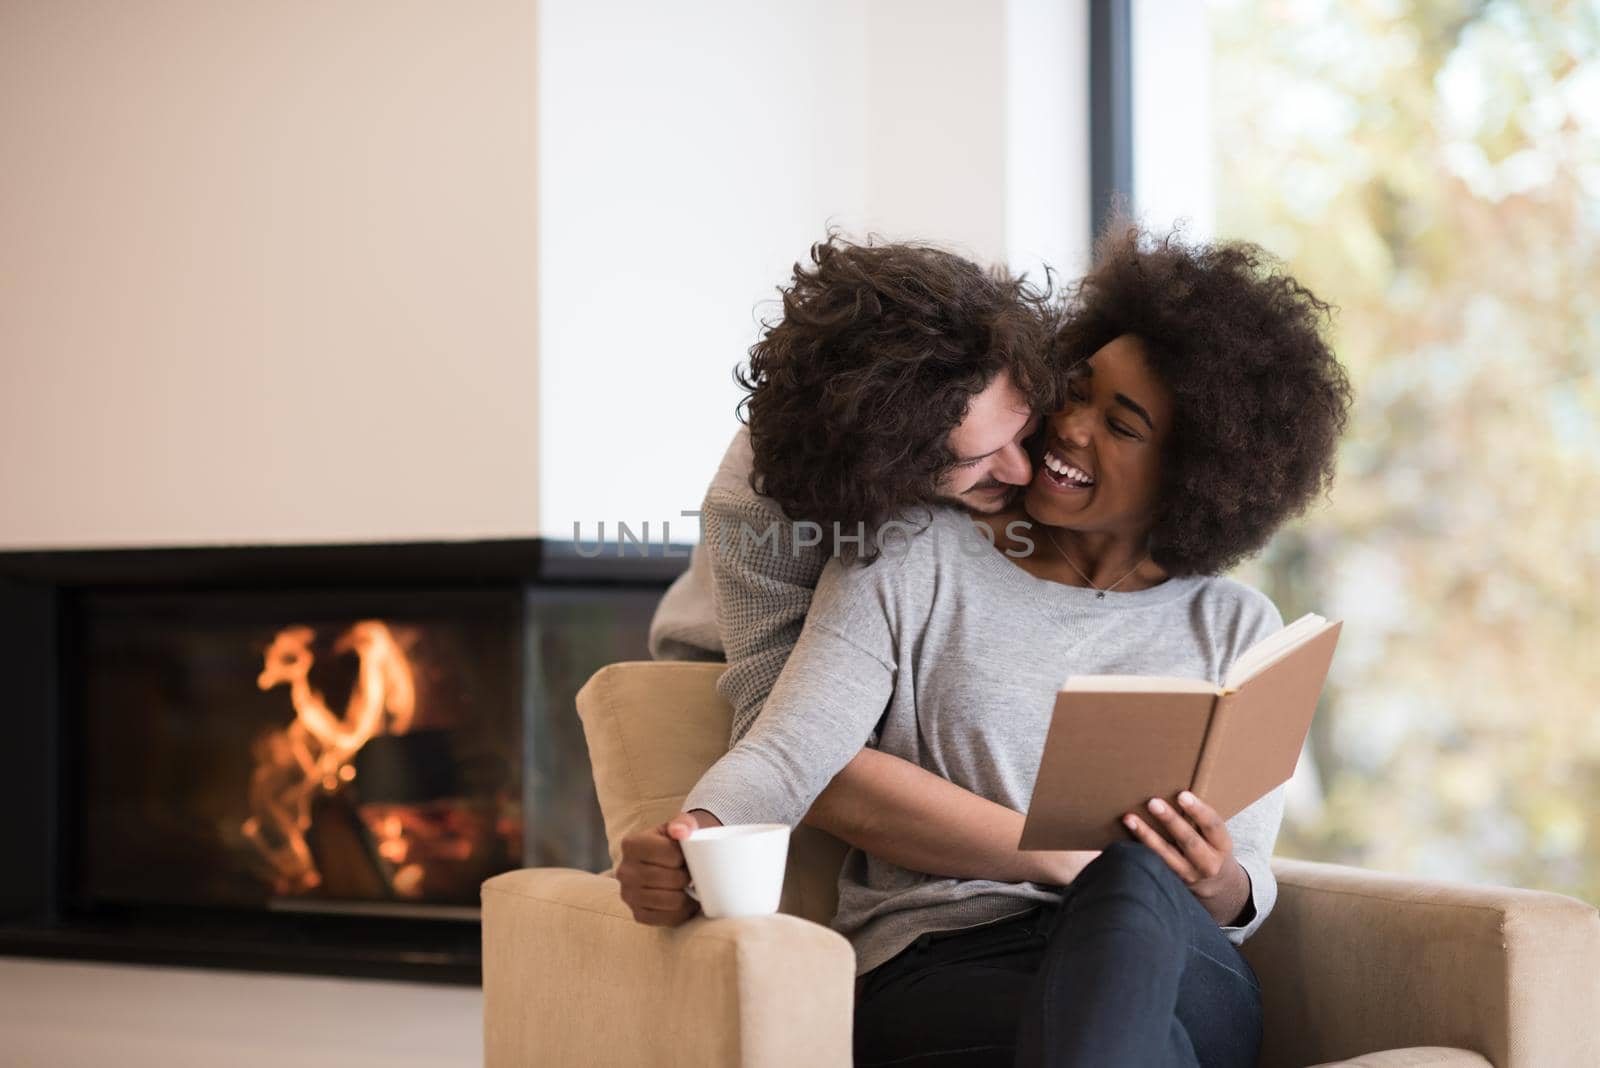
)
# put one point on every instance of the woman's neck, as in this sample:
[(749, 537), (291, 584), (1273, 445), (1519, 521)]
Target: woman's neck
[(1094, 560)]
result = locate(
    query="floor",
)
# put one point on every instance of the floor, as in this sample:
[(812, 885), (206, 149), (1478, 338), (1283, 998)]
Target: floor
[(65, 1014)]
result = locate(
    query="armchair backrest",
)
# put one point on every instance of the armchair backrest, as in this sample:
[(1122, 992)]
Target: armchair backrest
[(653, 728)]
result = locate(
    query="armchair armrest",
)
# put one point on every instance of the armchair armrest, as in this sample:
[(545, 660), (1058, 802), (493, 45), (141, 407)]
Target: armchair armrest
[(569, 977), (1354, 962)]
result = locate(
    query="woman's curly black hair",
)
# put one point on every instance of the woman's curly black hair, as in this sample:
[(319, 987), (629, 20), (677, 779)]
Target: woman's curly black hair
[(852, 393), (1259, 399)]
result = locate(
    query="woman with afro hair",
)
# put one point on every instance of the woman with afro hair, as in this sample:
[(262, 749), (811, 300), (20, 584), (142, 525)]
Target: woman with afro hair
[(1203, 412)]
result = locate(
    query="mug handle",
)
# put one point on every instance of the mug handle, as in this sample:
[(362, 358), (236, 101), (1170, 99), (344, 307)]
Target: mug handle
[(689, 889)]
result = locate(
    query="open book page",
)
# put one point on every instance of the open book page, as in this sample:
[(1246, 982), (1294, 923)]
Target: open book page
[(1134, 684), (1269, 650)]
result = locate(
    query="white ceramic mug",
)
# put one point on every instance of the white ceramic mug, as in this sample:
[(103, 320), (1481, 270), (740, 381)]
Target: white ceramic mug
[(737, 870)]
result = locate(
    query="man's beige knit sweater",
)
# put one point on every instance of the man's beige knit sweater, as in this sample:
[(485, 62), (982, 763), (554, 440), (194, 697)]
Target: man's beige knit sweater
[(750, 579)]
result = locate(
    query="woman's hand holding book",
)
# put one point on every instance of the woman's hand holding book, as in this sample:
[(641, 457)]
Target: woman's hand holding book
[(1194, 842)]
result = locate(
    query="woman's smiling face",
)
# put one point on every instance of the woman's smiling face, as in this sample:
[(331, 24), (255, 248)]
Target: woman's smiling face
[(1101, 468)]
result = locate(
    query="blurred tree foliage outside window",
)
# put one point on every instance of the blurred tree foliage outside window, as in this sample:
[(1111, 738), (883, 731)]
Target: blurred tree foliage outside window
[(1433, 170)]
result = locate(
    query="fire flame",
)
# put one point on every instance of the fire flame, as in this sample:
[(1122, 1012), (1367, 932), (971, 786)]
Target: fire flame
[(314, 752)]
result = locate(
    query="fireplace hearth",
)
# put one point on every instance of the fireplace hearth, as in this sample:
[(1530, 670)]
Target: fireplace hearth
[(299, 758)]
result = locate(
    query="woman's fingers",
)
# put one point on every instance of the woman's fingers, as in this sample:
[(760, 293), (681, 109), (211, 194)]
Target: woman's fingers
[(641, 898), (652, 876), (1194, 842), (1211, 825), (1175, 860), (653, 845), (1181, 833), (666, 917), (655, 894)]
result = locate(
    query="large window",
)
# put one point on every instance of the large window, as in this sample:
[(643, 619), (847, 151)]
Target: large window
[(1434, 171)]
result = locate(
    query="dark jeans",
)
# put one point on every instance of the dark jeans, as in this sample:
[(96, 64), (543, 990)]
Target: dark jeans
[(1129, 970)]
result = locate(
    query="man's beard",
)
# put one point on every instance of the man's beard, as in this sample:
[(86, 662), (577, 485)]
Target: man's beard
[(980, 505)]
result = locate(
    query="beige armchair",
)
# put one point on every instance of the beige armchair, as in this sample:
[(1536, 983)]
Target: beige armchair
[(1358, 968)]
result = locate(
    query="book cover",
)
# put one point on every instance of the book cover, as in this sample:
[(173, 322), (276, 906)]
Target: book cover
[(1115, 742)]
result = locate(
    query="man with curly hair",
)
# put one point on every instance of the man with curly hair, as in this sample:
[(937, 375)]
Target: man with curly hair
[(899, 376)]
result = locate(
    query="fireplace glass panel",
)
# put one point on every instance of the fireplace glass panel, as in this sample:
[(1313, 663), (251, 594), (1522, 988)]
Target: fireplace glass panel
[(298, 751)]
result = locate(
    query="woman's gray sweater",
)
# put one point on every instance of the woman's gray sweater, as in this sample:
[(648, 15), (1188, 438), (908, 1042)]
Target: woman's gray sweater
[(945, 653)]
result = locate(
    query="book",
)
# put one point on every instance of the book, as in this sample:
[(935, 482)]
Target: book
[(1116, 741)]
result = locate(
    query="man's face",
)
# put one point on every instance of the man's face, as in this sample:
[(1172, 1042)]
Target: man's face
[(991, 462)]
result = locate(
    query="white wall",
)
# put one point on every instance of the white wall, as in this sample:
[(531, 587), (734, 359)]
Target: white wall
[(1047, 137), (692, 152), (266, 271)]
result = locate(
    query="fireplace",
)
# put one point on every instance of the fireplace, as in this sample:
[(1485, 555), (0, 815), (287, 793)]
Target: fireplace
[(299, 758)]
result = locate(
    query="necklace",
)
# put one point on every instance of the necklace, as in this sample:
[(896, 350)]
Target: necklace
[(1100, 594)]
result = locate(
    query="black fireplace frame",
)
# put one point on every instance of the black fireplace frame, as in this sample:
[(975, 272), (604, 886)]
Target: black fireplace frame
[(41, 598)]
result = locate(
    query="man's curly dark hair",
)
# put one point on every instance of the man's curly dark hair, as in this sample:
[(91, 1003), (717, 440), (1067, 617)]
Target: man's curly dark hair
[(1259, 399), (852, 393)]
